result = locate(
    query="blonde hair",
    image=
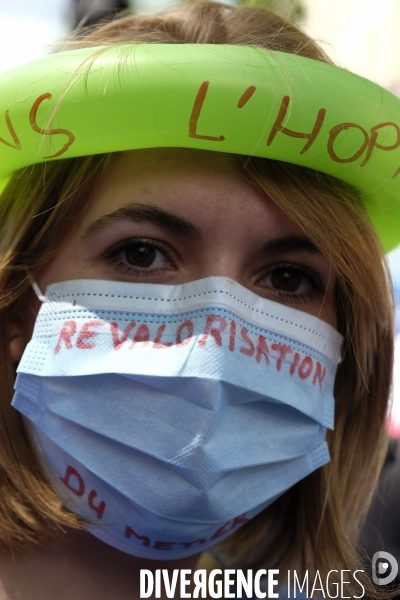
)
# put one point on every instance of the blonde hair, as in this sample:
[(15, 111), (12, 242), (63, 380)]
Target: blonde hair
[(315, 524)]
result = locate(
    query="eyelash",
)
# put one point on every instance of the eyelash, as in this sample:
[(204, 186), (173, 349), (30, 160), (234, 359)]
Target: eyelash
[(113, 253), (293, 297)]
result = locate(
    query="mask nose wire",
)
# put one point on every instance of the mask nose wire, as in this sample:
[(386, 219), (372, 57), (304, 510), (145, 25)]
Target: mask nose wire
[(38, 292)]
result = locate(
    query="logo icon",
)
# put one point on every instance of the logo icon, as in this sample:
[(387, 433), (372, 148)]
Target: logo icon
[(384, 568)]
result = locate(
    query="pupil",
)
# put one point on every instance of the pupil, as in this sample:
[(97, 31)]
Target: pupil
[(140, 256), (285, 280)]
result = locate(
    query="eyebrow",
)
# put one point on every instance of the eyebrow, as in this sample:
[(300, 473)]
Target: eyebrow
[(179, 225), (290, 243), (147, 212)]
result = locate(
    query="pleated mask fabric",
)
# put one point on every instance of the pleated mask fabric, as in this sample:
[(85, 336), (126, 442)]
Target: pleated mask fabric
[(168, 416)]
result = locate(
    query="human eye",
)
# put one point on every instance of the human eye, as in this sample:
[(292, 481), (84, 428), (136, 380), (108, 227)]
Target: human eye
[(139, 257), (292, 282)]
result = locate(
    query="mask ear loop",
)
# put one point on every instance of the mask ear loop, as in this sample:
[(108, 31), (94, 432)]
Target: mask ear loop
[(38, 292)]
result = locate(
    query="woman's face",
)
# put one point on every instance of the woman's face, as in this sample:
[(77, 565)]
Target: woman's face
[(170, 216)]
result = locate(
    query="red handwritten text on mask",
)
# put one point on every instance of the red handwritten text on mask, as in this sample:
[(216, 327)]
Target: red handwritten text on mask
[(75, 483), (215, 330), (73, 480)]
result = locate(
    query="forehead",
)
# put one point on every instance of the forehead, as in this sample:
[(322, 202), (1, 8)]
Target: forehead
[(197, 184), (173, 164)]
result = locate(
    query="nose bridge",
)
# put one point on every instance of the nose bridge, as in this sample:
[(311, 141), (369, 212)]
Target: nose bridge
[(224, 250), (224, 265)]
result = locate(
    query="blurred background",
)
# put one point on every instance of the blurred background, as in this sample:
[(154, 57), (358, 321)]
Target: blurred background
[(360, 35)]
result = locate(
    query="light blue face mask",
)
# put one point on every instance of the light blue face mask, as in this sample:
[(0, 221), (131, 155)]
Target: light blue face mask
[(168, 416)]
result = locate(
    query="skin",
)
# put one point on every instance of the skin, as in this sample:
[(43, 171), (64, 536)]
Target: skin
[(217, 225)]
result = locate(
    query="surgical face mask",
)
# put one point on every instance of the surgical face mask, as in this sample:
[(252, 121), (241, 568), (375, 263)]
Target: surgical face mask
[(168, 416)]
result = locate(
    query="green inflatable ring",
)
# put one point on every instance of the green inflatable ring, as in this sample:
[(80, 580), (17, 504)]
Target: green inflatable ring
[(233, 99)]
